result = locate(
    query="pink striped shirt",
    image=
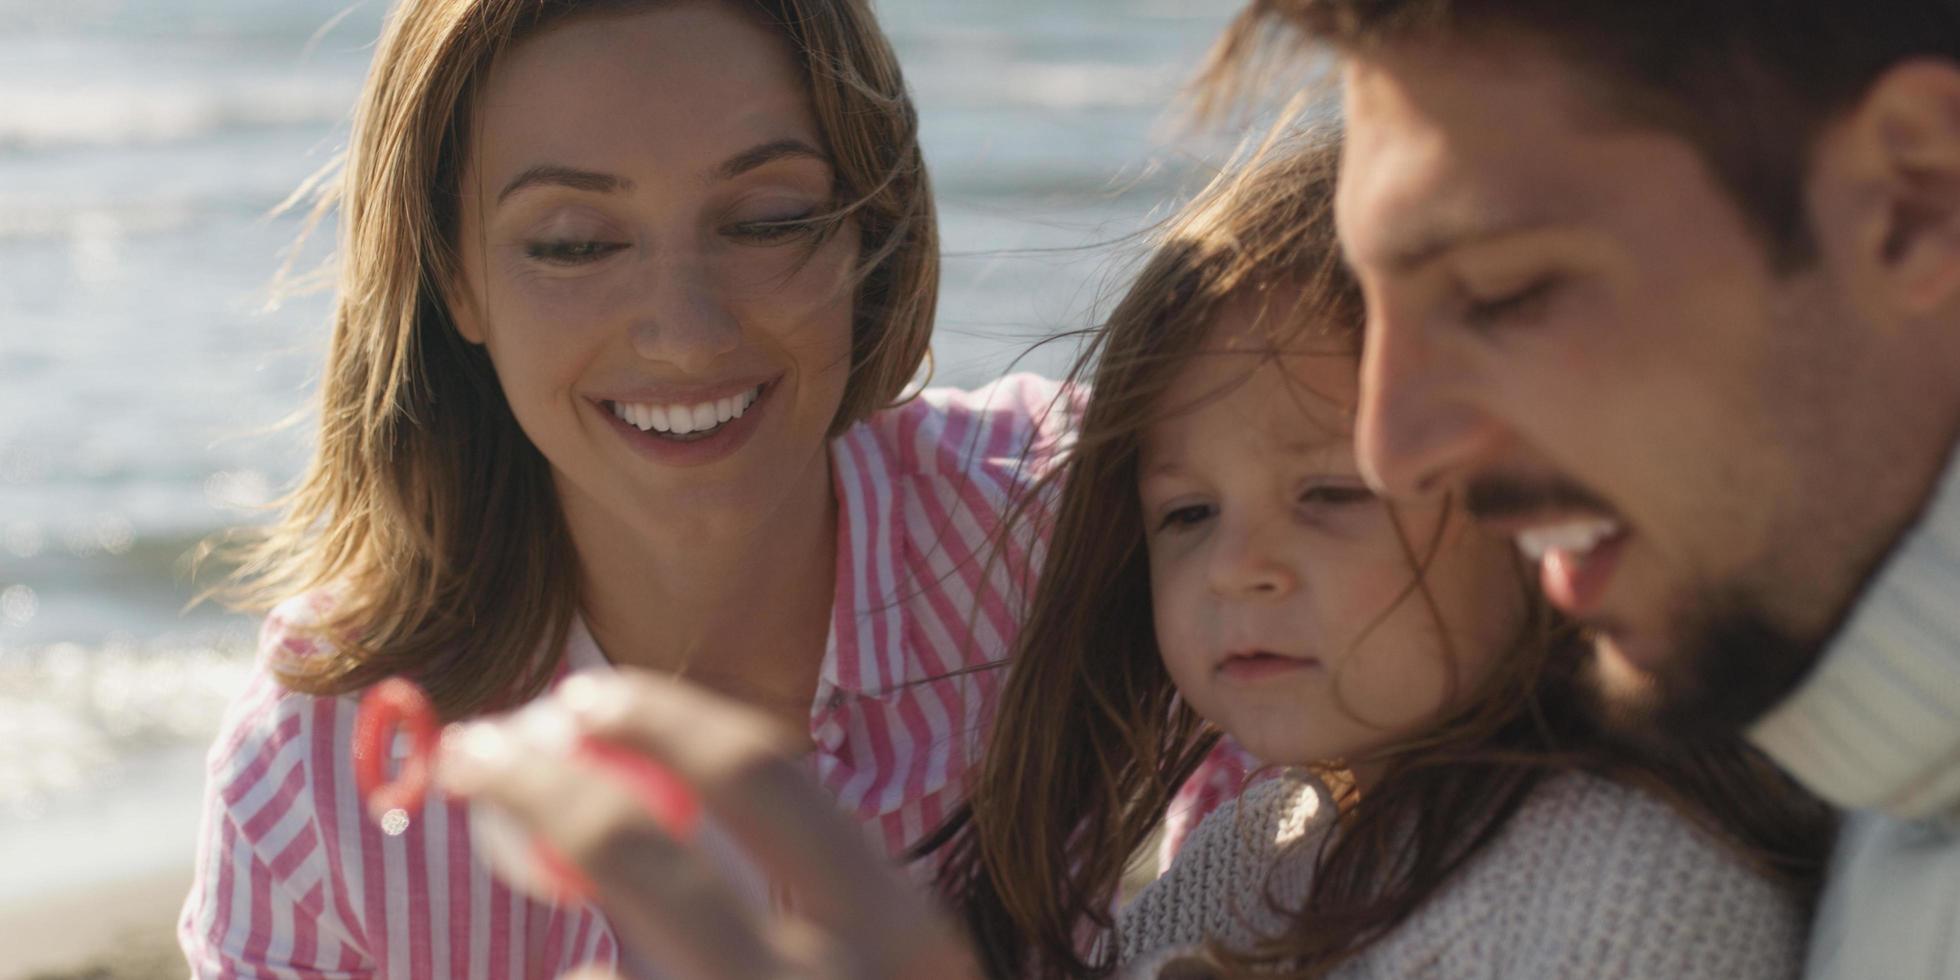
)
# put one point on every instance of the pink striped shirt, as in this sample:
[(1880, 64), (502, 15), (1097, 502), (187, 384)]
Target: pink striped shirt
[(294, 881), (1220, 779)]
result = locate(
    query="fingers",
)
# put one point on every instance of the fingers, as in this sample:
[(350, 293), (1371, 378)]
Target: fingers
[(704, 737), (738, 761), (664, 899), (741, 764)]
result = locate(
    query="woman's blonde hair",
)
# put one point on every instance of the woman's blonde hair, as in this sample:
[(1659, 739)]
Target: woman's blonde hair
[(1092, 740), (426, 516)]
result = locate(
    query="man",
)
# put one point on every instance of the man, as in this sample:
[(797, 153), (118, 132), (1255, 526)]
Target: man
[(1670, 290)]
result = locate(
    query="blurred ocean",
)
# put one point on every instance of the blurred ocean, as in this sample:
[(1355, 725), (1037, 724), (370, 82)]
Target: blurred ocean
[(142, 145)]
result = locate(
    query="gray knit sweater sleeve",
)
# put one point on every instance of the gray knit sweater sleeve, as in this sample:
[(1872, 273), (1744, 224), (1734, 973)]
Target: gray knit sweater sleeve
[(1262, 840), (1589, 878)]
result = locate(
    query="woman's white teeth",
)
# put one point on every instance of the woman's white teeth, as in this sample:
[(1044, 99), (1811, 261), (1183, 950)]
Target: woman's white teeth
[(1572, 537), (684, 420)]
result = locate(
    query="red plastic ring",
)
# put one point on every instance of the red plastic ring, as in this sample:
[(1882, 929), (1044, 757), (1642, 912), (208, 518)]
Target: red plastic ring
[(665, 796), (390, 706)]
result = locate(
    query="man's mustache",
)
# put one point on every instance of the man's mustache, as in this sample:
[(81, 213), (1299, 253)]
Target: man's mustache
[(1496, 498)]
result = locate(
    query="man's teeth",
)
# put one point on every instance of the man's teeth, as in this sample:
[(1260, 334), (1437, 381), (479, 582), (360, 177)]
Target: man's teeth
[(1572, 537), (683, 420)]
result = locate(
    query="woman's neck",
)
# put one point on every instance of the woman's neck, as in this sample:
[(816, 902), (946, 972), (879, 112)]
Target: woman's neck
[(739, 607)]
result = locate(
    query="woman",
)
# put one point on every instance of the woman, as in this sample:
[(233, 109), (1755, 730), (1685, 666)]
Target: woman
[(629, 294)]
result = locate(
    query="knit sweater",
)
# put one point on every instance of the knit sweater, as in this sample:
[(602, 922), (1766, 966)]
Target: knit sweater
[(1876, 729), (1588, 879)]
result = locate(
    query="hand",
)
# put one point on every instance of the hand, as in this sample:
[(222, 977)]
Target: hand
[(855, 917)]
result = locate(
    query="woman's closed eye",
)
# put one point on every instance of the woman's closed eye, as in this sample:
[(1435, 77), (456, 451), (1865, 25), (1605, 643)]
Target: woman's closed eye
[(774, 231), (570, 252)]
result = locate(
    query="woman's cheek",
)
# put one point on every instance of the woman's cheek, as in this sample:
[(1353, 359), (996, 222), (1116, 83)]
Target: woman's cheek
[(568, 304)]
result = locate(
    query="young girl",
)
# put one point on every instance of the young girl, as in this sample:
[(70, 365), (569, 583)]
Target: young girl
[(629, 294), (1446, 809)]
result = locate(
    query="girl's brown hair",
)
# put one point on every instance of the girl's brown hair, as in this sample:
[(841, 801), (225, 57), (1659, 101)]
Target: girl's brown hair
[(1092, 740), (426, 514)]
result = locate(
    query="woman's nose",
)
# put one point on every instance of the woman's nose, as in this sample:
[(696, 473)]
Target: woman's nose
[(681, 316)]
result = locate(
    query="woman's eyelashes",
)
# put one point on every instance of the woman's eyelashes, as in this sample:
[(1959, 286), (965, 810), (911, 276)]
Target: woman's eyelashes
[(772, 231), (570, 253), (576, 251)]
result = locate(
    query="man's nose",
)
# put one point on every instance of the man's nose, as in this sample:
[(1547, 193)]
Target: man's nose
[(1419, 428)]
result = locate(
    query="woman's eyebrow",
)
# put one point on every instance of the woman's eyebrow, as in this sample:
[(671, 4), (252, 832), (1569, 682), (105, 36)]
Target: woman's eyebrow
[(552, 174), (768, 153)]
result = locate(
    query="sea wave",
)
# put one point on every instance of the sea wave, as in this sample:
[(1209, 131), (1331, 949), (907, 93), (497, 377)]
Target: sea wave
[(135, 112), (27, 220), (69, 714)]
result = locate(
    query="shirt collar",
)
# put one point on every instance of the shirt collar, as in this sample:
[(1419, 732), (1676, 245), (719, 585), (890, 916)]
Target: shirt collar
[(1876, 725)]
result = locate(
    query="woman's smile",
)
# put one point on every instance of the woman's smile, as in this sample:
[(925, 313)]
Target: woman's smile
[(690, 431)]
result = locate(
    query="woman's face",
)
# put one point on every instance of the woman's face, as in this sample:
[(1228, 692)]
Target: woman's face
[(1283, 594), (675, 353)]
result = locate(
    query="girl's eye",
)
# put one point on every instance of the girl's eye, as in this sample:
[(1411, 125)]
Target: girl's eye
[(570, 252), (1518, 307), (1336, 495), (1179, 518), (775, 230)]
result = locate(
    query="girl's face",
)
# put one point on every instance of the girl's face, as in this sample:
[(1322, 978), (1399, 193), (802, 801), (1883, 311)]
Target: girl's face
[(1285, 601), (676, 354)]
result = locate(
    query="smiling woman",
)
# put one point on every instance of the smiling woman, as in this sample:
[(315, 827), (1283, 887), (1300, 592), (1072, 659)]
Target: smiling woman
[(629, 297)]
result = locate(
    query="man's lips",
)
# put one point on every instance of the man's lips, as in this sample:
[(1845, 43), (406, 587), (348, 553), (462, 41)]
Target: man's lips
[(1576, 558), (1569, 532)]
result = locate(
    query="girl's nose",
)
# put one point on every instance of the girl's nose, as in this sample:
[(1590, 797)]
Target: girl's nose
[(1247, 562)]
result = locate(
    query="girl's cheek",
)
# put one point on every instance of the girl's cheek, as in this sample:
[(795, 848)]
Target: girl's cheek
[(1180, 613)]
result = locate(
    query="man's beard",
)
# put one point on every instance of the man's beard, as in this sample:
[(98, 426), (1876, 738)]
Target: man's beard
[(1731, 665)]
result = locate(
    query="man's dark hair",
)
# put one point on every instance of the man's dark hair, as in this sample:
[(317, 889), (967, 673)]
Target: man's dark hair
[(1749, 83)]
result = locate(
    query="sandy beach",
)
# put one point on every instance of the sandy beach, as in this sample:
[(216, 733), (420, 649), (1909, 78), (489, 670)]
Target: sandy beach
[(121, 931)]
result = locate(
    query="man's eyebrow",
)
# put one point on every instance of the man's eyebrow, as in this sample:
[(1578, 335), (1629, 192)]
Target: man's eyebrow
[(1440, 236), (552, 174), (768, 153)]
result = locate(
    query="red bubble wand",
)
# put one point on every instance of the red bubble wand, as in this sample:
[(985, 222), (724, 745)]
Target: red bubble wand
[(396, 706)]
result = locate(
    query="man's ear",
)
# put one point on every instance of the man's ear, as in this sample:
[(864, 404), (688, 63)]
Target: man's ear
[(1885, 181)]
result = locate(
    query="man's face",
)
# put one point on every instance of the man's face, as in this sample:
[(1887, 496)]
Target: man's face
[(1572, 325)]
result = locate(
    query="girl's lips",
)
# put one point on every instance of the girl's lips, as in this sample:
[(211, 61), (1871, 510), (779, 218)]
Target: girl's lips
[(1261, 665)]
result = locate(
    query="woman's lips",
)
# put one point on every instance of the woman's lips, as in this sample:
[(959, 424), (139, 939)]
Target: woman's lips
[(719, 441)]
